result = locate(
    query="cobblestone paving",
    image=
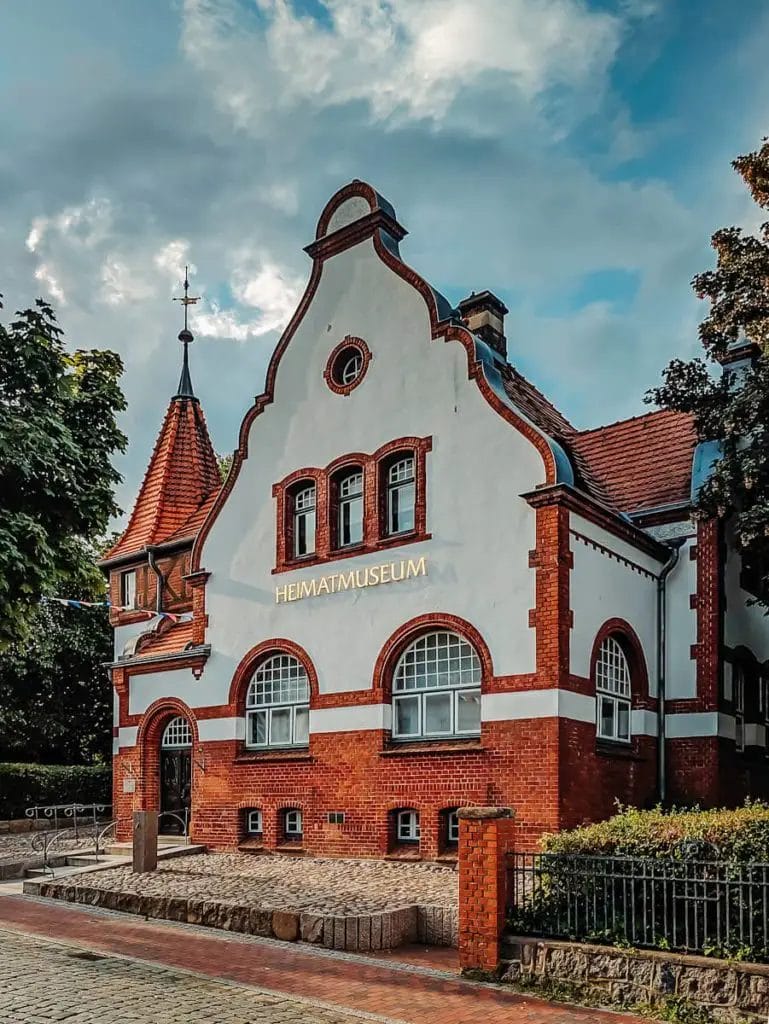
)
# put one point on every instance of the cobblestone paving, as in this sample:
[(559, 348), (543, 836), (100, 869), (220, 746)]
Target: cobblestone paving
[(43, 983), (312, 884)]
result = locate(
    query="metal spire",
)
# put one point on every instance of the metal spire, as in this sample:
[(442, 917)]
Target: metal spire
[(186, 337)]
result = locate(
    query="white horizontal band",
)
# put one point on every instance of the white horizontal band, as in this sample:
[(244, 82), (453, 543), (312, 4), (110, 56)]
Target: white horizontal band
[(355, 718), (212, 729), (550, 703), (127, 736), (643, 723)]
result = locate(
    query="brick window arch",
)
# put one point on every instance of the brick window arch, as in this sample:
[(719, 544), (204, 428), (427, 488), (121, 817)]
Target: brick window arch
[(347, 365), (360, 503), (618, 674)]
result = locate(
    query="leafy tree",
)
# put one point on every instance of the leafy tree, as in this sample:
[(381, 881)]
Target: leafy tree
[(58, 433), (733, 408), (55, 694), (224, 462)]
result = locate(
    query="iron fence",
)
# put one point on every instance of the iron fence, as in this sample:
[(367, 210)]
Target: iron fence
[(687, 903)]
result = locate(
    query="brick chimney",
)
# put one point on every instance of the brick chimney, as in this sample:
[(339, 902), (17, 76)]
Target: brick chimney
[(484, 314)]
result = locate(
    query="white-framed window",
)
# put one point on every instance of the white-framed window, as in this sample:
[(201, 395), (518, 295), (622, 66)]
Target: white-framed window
[(278, 704), (350, 508), (292, 823), (401, 495), (407, 826), (177, 734), (128, 588), (437, 688), (452, 828), (303, 520), (613, 692), (738, 678), (254, 821), (351, 366)]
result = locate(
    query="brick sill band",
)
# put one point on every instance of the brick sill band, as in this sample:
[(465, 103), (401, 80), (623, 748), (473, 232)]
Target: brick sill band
[(431, 747), (338, 554), (302, 756)]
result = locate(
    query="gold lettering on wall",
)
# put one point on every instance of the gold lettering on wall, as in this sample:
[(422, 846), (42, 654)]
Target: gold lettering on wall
[(372, 576)]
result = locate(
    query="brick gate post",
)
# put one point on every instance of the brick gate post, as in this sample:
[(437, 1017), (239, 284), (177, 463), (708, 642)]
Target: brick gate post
[(485, 839)]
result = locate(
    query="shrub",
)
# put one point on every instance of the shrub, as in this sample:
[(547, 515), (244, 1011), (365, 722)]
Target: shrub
[(741, 834), (24, 785)]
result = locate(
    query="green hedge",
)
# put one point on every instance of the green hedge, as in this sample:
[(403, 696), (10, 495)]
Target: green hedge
[(741, 834), (24, 785)]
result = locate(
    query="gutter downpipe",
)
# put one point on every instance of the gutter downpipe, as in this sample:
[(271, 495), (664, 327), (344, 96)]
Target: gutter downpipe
[(159, 585), (667, 568)]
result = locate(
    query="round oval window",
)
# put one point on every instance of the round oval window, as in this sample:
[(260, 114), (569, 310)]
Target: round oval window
[(347, 367)]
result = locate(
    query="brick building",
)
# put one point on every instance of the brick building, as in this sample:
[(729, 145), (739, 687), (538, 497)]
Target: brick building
[(420, 588)]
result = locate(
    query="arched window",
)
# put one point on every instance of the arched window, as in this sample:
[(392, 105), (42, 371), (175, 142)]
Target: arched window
[(177, 734), (302, 511), (400, 501), (278, 704), (612, 686), (437, 688), (349, 504)]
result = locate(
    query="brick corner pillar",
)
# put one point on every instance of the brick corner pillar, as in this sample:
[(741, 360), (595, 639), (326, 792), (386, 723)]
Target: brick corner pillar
[(485, 839)]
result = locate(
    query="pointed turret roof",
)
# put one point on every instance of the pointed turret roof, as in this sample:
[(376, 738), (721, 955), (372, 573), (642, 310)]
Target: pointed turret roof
[(182, 478)]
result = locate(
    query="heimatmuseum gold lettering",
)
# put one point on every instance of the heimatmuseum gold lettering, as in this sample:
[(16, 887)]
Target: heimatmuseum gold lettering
[(371, 576)]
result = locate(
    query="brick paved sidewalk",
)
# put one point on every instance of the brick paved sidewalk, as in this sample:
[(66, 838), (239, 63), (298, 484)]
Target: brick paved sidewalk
[(353, 984)]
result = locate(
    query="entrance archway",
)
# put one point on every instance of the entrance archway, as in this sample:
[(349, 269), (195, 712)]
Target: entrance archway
[(175, 777)]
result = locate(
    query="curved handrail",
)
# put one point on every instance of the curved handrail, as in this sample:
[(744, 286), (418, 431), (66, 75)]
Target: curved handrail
[(184, 821)]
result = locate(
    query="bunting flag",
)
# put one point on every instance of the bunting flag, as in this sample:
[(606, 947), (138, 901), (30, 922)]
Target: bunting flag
[(150, 612)]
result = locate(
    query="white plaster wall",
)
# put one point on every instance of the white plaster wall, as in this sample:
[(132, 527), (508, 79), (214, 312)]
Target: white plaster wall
[(744, 624), (481, 529), (681, 669), (604, 588)]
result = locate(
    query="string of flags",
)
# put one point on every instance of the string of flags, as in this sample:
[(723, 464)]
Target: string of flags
[(149, 612)]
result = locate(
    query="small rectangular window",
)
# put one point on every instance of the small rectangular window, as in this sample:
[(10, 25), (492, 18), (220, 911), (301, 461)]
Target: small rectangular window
[(335, 817), (128, 589), (293, 823), (254, 822), (452, 828), (408, 827)]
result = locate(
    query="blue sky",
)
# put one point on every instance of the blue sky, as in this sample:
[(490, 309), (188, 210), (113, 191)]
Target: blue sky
[(571, 156)]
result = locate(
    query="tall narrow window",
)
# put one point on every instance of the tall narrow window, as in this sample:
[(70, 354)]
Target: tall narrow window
[(612, 685), (437, 689), (739, 706), (349, 527), (128, 589), (303, 520), (401, 495), (278, 704)]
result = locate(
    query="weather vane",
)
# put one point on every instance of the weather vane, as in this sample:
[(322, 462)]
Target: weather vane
[(187, 300), (185, 337)]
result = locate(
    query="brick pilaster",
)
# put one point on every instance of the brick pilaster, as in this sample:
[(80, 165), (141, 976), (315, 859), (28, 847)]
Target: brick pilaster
[(485, 839)]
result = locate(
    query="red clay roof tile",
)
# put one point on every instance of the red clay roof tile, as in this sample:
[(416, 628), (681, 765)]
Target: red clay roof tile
[(181, 480), (168, 640), (641, 463)]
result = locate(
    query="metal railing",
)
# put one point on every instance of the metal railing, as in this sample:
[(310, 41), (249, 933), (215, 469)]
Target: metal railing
[(692, 903), (79, 814), (77, 829)]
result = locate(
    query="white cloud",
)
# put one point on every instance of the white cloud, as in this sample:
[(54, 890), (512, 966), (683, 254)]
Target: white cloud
[(403, 58)]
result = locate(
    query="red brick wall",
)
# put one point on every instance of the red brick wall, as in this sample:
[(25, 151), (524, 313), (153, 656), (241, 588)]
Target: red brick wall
[(516, 763), (485, 838)]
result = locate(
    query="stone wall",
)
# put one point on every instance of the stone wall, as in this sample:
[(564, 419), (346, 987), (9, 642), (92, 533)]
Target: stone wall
[(727, 991), (361, 933)]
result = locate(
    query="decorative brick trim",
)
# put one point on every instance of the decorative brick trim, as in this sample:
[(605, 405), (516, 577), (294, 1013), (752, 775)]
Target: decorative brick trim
[(709, 613), (589, 542), (328, 374), (552, 618), (588, 508), (375, 537), (403, 636)]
